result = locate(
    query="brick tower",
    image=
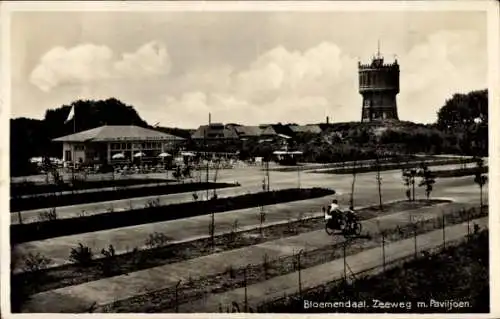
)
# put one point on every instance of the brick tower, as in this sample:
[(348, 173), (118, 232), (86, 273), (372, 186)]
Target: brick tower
[(379, 85)]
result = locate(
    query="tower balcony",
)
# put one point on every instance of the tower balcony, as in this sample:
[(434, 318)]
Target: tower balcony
[(392, 89)]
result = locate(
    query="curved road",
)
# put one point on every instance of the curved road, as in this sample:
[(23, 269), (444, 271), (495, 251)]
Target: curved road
[(125, 239)]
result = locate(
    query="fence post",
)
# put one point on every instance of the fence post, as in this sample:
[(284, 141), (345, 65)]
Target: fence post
[(246, 289), (19, 217), (300, 279), (383, 250), (444, 234), (212, 230), (177, 296), (345, 263), (415, 237), (468, 224)]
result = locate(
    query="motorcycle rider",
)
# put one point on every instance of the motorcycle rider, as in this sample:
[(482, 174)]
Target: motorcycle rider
[(334, 213)]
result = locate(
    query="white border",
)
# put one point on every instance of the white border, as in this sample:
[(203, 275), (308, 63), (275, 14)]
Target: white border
[(492, 7)]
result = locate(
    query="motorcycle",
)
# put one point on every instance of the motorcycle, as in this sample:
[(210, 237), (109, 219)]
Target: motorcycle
[(348, 223)]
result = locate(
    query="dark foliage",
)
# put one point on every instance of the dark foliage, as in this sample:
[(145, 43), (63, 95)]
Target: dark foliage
[(81, 255), (461, 128), (56, 200), (458, 273), (29, 188), (31, 137), (63, 227)]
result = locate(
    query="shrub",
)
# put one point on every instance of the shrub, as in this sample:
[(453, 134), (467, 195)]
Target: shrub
[(230, 270), (266, 265), (108, 264), (157, 240), (137, 257), (82, 255), (291, 229), (153, 203), (36, 262), (48, 215)]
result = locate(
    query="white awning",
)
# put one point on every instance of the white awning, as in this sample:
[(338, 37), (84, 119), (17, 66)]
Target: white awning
[(119, 155), (164, 155)]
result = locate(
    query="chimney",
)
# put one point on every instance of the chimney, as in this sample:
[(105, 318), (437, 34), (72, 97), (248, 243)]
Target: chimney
[(327, 120), (209, 119)]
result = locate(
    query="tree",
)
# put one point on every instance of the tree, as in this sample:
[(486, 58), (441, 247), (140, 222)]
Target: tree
[(427, 180), (480, 180), (462, 109), (379, 182), (409, 180), (354, 171)]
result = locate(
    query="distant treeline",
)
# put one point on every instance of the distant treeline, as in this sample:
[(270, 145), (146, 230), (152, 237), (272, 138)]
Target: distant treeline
[(461, 128)]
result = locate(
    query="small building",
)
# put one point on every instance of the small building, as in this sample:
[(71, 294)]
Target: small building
[(286, 157), (124, 143), (248, 132), (215, 131)]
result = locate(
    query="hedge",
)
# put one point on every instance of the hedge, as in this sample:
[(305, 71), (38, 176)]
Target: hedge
[(70, 226), (30, 188), (54, 200)]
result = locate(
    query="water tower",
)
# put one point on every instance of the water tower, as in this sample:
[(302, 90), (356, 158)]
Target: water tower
[(379, 85)]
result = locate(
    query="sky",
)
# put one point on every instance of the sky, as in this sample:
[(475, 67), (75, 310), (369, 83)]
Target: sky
[(242, 67)]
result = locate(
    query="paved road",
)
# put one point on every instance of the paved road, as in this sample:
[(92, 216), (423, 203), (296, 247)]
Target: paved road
[(251, 180), (106, 291), (312, 277), (127, 238)]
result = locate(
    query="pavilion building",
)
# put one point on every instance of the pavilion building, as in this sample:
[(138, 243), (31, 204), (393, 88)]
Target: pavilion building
[(102, 144)]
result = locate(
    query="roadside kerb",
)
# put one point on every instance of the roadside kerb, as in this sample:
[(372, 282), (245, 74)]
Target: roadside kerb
[(144, 281), (275, 288)]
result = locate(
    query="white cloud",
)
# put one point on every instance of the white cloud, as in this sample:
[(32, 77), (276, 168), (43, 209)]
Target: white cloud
[(281, 85), (432, 71), (87, 63), (150, 59)]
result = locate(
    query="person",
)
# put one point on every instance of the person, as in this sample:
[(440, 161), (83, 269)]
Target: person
[(334, 213)]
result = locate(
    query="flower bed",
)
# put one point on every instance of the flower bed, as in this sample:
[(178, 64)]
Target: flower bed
[(67, 275), (153, 213), (30, 188), (458, 273), (233, 278), (57, 200)]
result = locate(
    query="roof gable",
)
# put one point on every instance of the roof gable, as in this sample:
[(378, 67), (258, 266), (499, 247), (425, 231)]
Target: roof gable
[(117, 133), (248, 130), (215, 131)]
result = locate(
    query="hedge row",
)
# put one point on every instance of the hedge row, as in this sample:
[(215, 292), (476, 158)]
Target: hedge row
[(393, 166), (152, 214), (460, 172), (54, 200), (30, 188)]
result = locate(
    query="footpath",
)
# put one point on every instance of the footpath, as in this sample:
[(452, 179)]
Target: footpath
[(75, 211), (371, 259), (106, 291)]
